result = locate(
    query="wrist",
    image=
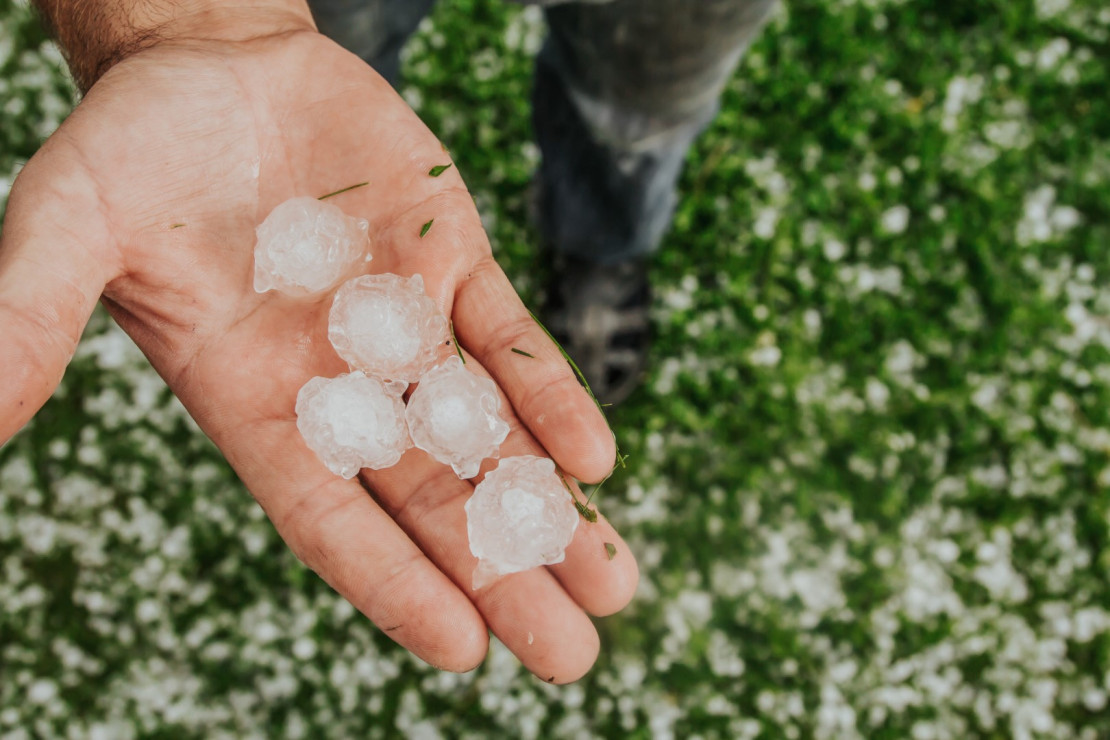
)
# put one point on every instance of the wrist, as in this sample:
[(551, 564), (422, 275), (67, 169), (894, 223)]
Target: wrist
[(97, 35)]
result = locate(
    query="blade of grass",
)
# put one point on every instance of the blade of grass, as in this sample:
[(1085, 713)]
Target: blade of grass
[(587, 513), (458, 349), (621, 459), (344, 190)]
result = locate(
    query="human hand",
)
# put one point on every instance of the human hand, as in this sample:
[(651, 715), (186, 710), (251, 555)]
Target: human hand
[(148, 195)]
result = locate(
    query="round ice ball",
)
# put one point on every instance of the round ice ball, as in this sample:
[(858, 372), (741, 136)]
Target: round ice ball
[(454, 415), (353, 422), (385, 326), (306, 246), (520, 516)]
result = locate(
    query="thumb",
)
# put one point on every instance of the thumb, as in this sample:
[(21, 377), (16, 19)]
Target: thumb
[(54, 264)]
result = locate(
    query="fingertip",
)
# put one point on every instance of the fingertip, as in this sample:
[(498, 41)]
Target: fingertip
[(596, 463), (542, 625), (27, 393), (434, 620), (34, 361), (588, 455), (469, 640), (464, 647), (623, 578), (471, 652), (618, 565), (497, 329), (599, 570), (588, 648)]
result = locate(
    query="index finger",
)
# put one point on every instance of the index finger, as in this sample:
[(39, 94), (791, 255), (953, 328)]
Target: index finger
[(492, 322)]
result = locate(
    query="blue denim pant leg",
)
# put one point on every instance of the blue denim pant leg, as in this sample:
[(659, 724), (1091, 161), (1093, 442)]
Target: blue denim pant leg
[(621, 91), (373, 29), (622, 88)]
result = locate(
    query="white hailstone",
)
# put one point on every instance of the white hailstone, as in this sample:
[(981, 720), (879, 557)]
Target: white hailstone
[(306, 246), (385, 326), (353, 422), (895, 219), (454, 415), (42, 691), (520, 516)]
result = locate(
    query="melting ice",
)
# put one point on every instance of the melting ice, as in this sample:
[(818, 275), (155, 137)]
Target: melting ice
[(520, 516), (385, 326), (353, 422), (307, 246), (454, 415)]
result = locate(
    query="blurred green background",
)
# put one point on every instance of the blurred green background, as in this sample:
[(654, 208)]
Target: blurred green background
[(868, 477)]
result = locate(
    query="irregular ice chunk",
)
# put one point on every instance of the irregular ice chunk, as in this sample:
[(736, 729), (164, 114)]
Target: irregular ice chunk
[(306, 246), (520, 516), (454, 416), (385, 326), (353, 422)]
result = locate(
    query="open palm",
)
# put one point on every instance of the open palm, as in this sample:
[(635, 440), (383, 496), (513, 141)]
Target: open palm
[(147, 197)]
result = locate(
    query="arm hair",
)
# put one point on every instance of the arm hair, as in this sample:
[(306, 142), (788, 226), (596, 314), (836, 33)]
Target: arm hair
[(96, 34)]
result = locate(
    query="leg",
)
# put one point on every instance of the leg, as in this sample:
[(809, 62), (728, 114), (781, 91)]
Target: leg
[(621, 91), (373, 29)]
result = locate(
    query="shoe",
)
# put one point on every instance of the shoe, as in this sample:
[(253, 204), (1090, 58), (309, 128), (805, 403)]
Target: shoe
[(599, 314)]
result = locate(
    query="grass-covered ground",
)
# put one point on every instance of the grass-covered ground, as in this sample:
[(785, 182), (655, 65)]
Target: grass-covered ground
[(869, 482)]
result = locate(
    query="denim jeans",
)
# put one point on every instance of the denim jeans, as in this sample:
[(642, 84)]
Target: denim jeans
[(622, 88)]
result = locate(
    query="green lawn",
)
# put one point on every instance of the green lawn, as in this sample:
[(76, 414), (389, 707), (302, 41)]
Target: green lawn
[(869, 477)]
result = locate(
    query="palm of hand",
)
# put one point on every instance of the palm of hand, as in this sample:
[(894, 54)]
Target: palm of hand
[(150, 194)]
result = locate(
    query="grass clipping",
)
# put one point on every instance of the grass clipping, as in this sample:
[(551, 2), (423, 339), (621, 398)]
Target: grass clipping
[(589, 514)]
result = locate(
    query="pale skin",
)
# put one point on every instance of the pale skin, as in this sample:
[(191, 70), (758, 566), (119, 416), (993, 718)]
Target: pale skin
[(147, 198)]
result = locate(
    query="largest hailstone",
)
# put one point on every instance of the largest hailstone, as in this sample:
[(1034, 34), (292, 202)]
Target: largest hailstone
[(520, 516), (385, 326)]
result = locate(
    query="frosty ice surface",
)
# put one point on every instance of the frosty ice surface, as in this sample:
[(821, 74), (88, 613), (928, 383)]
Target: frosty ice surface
[(385, 326), (306, 246), (454, 416), (353, 422), (520, 516)]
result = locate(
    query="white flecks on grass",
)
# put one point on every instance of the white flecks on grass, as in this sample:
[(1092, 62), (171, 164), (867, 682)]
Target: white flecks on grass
[(1052, 53), (863, 278), (895, 219), (960, 92), (766, 354), (834, 249), (909, 540), (1042, 219), (525, 32)]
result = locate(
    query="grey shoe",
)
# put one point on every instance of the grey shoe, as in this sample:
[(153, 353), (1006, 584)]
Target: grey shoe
[(599, 313)]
